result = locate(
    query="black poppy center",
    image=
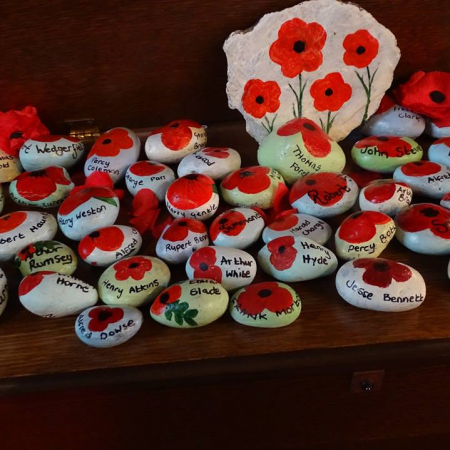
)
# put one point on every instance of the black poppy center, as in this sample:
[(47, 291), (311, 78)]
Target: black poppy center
[(282, 249), (183, 223), (259, 99), (418, 163), (246, 174), (299, 46), (217, 151), (310, 182), (24, 251), (381, 266), (223, 220), (103, 315), (16, 135), (429, 212), (265, 293), (309, 127), (106, 141), (203, 267), (38, 173), (175, 125), (329, 92), (191, 176), (360, 50), (437, 96), (164, 298), (94, 234), (133, 265), (383, 138)]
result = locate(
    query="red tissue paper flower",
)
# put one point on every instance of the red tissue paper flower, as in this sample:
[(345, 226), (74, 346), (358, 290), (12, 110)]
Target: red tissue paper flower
[(177, 134), (361, 48), (330, 93), (134, 267), (282, 252), (110, 144), (249, 180), (284, 223), (179, 229), (260, 98), (385, 105), (103, 316), (203, 262), (169, 295), (380, 272)]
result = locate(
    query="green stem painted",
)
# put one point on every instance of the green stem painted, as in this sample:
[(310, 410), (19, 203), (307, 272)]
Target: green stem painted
[(368, 90)]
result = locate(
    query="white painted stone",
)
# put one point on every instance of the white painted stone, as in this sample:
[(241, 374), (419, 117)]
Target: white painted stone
[(439, 151), (3, 291), (10, 167), (437, 130)]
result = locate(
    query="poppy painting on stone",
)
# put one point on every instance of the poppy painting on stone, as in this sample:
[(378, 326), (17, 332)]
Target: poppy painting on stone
[(322, 59)]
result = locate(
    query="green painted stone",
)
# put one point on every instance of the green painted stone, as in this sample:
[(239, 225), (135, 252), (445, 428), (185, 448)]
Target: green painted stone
[(190, 304)]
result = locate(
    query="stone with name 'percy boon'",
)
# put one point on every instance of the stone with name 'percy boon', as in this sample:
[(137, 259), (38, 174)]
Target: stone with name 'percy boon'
[(180, 239), (133, 281), (380, 285), (292, 259), (21, 228), (265, 305), (3, 291), (237, 228), (53, 295), (324, 194), (108, 326), (10, 167), (50, 256), (172, 142), (190, 304), (113, 152), (47, 151), (86, 211), (231, 267), (107, 245), (439, 151)]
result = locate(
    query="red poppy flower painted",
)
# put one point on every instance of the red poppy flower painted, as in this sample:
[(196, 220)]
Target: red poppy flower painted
[(11, 221), (282, 252), (107, 239), (260, 98), (27, 252), (146, 168), (76, 200), (179, 229), (111, 143), (190, 191), (330, 93), (445, 141), (177, 134), (203, 262), (361, 226), (134, 267), (230, 223), (101, 317), (168, 296), (284, 223), (216, 152), (388, 146), (361, 48), (249, 180), (420, 168), (55, 137), (382, 191), (32, 281), (380, 272)]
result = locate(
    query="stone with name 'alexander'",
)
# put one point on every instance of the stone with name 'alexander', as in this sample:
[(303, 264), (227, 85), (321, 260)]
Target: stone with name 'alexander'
[(3, 291)]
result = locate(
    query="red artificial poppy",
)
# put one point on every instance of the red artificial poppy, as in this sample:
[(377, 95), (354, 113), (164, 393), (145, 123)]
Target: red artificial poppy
[(380, 272), (361, 48), (298, 47), (216, 152), (203, 262), (134, 267), (445, 141), (282, 252), (54, 138), (76, 200), (425, 216), (179, 229), (11, 221), (385, 105), (249, 180), (382, 191), (107, 239), (111, 143), (27, 252), (146, 168), (361, 226), (168, 296), (31, 281), (230, 223), (177, 134), (316, 141), (426, 93), (420, 168), (386, 145), (284, 223), (330, 93), (102, 317), (191, 191), (363, 177), (260, 98), (269, 295)]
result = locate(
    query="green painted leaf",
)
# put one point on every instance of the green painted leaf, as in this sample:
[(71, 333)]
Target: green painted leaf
[(178, 318), (190, 321), (111, 201), (168, 314), (183, 307), (191, 313), (172, 306)]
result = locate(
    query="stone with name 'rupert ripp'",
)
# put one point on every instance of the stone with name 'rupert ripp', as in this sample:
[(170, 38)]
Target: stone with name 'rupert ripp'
[(3, 291), (439, 151), (10, 167)]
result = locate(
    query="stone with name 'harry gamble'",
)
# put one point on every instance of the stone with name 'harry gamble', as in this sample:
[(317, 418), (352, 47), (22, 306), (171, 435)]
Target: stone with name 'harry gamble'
[(10, 167), (380, 285), (3, 291)]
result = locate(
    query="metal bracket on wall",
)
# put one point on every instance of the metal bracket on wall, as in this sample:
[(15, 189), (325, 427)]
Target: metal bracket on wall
[(85, 130)]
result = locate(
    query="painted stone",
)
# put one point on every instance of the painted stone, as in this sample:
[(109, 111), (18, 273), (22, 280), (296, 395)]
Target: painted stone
[(47, 151), (445, 201), (86, 211), (296, 259), (215, 162), (425, 178), (2, 199), (3, 291), (385, 196), (380, 285), (50, 256), (45, 188), (438, 129), (424, 228), (302, 225), (113, 152), (265, 305), (21, 228), (108, 326), (107, 245), (230, 267), (10, 167), (133, 281), (149, 175), (324, 194), (439, 151), (180, 239), (53, 295), (193, 196), (237, 228), (192, 303), (299, 148), (329, 61), (252, 186), (172, 142), (383, 154)]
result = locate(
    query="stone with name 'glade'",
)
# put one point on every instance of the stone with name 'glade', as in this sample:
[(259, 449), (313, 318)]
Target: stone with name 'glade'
[(439, 151), (3, 291), (10, 167)]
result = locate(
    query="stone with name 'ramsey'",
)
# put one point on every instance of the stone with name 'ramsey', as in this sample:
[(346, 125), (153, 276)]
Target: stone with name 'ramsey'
[(3, 291), (10, 167)]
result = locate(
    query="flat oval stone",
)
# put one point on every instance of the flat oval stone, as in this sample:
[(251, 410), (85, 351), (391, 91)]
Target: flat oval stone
[(149, 175), (425, 178), (265, 305), (21, 228), (45, 188), (438, 129), (193, 197), (230, 267), (424, 228), (10, 167), (50, 256), (380, 285), (251, 186), (190, 304), (384, 154), (324, 194), (237, 228), (180, 239), (107, 245), (385, 196), (133, 281), (296, 259), (113, 152), (302, 225), (299, 148), (171, 143), (2, 199), (439, 151), (108, 326), (53, 295), (47, 151), (215, 162), (3, 291), (86, 211)]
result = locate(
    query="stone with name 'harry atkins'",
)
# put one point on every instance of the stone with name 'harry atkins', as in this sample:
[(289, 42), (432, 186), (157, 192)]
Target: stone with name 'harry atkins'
[(3, 291), (10, 167)]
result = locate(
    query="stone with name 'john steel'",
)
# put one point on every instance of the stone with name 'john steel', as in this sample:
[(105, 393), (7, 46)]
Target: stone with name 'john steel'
[(324, 194), (380, 285), (439, 151), (21, 228), (108, 326), (53, 295), (190, 304), (10, 167), (3, 291)]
